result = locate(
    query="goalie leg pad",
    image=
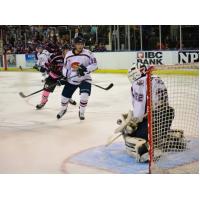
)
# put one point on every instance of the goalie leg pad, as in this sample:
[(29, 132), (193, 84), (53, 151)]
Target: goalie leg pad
[(136, 147)]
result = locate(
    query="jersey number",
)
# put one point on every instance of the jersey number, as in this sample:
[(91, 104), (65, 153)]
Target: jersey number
[(138, 97)]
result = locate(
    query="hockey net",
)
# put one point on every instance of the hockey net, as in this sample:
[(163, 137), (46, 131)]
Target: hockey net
[(173, 131)]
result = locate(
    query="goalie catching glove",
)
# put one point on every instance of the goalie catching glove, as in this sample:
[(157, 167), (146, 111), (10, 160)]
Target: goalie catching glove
[(128, 123)]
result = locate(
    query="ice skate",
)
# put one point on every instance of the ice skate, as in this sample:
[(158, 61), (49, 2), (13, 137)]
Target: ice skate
[(39, 106), (81, 116), (72, 102), (61, 113)]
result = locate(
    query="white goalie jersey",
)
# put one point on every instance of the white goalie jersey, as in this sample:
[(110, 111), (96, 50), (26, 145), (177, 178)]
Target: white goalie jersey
[(139, 95)]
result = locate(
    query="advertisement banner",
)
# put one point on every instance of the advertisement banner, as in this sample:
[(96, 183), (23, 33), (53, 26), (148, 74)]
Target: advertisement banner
[(188, 57), (11, 60), (157, 57), (30, 60), (150, 57)]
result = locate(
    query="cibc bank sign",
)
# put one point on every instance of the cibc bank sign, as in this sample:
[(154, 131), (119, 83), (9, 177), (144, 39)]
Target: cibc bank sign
[(150, 57)]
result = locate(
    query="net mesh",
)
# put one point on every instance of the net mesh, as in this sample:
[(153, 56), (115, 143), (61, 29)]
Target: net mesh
[(174, 101)]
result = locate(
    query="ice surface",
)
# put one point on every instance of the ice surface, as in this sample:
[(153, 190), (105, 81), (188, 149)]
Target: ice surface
[(34, 141)]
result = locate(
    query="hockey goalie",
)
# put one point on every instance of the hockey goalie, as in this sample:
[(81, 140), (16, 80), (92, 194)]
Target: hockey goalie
[(134, 125)]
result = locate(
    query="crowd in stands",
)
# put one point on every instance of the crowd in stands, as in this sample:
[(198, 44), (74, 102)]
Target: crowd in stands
[(24, 39)]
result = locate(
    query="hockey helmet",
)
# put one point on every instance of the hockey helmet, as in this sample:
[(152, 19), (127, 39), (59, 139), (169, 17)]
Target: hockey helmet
[(39, 46), (79, 40)]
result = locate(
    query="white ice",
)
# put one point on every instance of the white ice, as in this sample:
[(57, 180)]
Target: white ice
[(34, 141)]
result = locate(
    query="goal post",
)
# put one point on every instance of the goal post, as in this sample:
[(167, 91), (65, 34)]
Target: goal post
[(173, 118), (149, 116)]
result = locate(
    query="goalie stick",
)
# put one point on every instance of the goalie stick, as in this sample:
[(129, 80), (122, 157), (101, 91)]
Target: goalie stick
[(124, 123), (112, 138), (119, 130)]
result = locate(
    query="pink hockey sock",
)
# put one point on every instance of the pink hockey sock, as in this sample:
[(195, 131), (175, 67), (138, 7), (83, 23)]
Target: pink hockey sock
[(45, 96)]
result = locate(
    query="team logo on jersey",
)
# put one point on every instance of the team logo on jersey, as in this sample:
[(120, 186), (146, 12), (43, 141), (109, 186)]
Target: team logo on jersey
[(75, 66), (140, 82)]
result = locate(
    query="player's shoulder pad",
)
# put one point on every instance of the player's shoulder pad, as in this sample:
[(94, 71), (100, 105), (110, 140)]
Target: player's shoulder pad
[(69, 53), (87, 52)]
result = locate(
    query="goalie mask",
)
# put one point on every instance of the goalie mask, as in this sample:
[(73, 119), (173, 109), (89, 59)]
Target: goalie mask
[(134, 73), (143, 69)]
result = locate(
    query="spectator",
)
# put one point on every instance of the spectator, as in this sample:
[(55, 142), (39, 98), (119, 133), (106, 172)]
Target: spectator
[(152, 41), (99, 47), (77, 33), (162, 46)]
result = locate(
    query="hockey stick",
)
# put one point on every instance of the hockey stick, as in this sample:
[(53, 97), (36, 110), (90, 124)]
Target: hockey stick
[(24, 96), (106, 88)]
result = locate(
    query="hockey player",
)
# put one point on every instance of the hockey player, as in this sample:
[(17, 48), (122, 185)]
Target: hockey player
[(78, 65), (136, 132), (54, 67), (42, 58)]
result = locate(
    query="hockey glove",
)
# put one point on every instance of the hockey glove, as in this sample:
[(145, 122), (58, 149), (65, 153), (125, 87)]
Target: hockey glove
[(43, 69), (61, 82), (82, 70), (36, 67)]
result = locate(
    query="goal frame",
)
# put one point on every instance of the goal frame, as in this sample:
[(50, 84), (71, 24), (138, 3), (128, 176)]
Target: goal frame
[(149, 117), (149, 74)]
